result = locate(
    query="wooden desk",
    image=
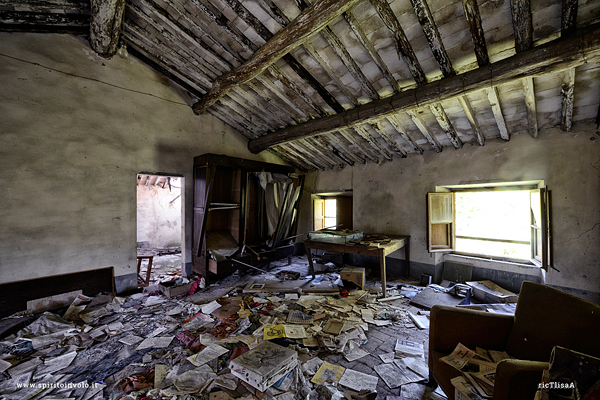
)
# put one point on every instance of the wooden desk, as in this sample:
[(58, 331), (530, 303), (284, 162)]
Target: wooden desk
[(396, 243)]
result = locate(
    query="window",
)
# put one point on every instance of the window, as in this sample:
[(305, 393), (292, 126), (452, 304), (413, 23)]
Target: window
[(333, 212), (508, 221)]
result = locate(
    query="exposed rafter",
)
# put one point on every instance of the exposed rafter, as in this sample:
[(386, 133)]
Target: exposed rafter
[(474, 20), (492, 94), (425, 131), (553, 56), (304, 26), (568, 26), (466, 105)]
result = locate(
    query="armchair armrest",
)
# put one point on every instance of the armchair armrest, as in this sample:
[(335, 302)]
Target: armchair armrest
[(518, 379), (450, 325)]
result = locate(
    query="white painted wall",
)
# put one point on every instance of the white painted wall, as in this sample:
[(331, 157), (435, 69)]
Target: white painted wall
[(75, 130), (159, 215), (390, 197)]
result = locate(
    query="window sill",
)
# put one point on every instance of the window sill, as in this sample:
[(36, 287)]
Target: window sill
[(507, 266)]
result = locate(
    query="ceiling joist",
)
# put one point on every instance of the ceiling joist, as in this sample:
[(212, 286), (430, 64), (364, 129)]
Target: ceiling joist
[(553, 56)]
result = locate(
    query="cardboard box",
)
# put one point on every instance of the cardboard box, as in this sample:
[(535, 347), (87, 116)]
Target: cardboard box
[(355, 275), (333, 236), (264, 365), (170, 289), (489, 292)]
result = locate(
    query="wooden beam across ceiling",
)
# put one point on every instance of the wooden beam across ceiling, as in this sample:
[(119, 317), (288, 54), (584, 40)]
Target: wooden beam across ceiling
[(311, 21), (106, 24), (557, 55)]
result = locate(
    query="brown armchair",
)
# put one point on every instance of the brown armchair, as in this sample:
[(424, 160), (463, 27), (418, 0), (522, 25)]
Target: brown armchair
[(544, 318)]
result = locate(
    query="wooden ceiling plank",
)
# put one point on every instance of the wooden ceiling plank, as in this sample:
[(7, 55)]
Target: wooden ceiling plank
[(134, 16), (274, 12), (278, 75), (261, 110), (281, 109), (347, 151), (403, 47), (344, 88), (316, 152), (225, 117), (567, 93), (267, 83), (293, 149), (466, 106), (497, 110), (106, 23), (367, 44), (425, 131), (556, 55), (393, 145), (568, 26), (255, 122), (336, 153), (286, 157), (161, 65), (433, 37), (207, 10), (341, 51), (362, 131), (531, 107), (522, 24), (312, 20), (366, 151), (183, 32), (445, 123), (474, 20), (296, 160), (313, 82), (393, 119), (170, 59)]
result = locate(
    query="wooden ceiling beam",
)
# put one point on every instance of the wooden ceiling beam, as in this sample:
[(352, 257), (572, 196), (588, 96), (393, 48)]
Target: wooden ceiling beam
[(284, 99), (336, 153), (311, 21), (341, 51), (315, 152), (497, 110), (306, 157), (553, 56), (433, 37), (266, 35), (106, 23), (298, 158), (531, 106), (474, 20), (466, 106), (568, 26), (367, 44), (393, 119), (333, 138), (445, 123), (425, 131), (522, 24), (393, 145), (346, 134), (364, 133), (403, 47)]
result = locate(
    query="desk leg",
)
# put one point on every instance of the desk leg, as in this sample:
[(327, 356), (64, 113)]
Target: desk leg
[(149, 271), (139, 267), (311, 267), (407, 257), (382, 271)]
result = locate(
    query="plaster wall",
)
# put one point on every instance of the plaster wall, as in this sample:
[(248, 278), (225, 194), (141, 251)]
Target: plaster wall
[(75, 129), (391, 197), (159, 215)]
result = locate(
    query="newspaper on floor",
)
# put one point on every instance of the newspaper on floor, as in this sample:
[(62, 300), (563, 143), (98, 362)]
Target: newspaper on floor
[(208, 354), (358, 381), (159, 342), (459, 357), (328, 372), (407, 348), (464, 390)]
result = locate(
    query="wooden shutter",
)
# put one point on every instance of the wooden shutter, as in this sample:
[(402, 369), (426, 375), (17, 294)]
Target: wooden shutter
[(319, 207), (539, 200), (440, 216)]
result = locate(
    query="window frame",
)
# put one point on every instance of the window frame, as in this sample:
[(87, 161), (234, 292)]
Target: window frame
[(540, 244)]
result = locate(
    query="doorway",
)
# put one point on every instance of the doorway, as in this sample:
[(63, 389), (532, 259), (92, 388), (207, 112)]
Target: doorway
[(160, 227)]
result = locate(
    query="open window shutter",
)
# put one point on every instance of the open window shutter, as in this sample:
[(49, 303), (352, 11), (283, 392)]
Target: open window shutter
[(440, 215), (319, 205), (539, 201)]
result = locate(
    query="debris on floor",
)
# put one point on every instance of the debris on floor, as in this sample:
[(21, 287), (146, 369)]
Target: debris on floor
[(276, 336)]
